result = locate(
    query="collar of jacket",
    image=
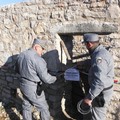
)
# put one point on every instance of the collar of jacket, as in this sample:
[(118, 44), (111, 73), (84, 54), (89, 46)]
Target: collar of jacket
[(97, 49)]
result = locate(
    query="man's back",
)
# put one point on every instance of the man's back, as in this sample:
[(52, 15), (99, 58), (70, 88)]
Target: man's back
[(103, 65), (27, 65)]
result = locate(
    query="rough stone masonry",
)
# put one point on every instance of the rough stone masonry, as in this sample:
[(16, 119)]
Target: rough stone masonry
[(57, 20)]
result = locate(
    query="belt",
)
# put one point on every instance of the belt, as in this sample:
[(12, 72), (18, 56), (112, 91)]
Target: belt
[(29, 80), (108, 88)]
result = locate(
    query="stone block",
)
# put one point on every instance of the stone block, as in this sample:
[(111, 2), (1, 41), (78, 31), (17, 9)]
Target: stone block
[(55, 92), (54, 105), (100, 28), (55, 112), (9, 79), (3, 82), (53, 98)]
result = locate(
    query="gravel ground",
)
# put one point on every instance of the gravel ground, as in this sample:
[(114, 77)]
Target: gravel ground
[(12, 111)]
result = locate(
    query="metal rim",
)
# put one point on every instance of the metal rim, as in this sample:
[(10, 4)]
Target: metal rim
[(80, 110)]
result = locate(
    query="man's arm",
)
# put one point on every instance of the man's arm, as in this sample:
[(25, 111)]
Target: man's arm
[(42, 71), (99, 79)]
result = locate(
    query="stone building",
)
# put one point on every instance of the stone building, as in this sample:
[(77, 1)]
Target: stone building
[(62, 23)]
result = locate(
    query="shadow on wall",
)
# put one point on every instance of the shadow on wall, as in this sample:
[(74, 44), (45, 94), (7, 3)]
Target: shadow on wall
[(60, 89), (11, 97), (53, 62), (54, 91), (9, 82)]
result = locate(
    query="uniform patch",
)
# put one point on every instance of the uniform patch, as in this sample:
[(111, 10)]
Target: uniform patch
[(99, 60)]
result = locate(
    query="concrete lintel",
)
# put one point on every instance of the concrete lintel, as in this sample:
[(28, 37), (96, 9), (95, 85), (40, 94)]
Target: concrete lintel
[(100, 28)]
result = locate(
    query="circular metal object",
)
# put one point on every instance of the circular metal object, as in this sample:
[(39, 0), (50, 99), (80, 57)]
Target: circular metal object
[(83, 108)]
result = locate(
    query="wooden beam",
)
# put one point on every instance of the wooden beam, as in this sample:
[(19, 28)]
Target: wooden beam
[(65, 50)]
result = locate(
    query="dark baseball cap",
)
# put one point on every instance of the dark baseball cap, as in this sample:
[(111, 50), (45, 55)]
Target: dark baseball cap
[(90, 37), (42, 43)]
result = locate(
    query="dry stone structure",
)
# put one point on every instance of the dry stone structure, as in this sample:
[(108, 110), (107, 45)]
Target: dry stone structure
[(56, 21)]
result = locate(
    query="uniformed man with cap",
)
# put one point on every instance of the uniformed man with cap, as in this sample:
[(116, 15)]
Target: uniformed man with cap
[(100, 77), (33, 70)]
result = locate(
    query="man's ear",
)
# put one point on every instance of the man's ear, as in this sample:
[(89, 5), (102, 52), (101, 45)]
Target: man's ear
[(35, 47)]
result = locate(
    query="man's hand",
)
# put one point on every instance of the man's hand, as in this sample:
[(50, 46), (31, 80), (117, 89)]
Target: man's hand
[(88, 101)]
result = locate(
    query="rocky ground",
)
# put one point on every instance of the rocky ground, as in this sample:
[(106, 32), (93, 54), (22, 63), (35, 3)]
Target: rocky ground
[(12, 111), (9, 112)]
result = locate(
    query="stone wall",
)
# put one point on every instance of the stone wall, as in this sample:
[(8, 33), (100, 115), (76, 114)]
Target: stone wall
[(55, 20), (20, 23)]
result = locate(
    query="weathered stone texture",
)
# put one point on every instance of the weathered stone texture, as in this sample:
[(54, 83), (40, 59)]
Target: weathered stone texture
[(21, 23), (105, 28)]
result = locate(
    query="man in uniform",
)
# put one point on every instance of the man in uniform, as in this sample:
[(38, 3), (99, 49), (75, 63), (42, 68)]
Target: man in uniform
[(32, 68), (100, 77)]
